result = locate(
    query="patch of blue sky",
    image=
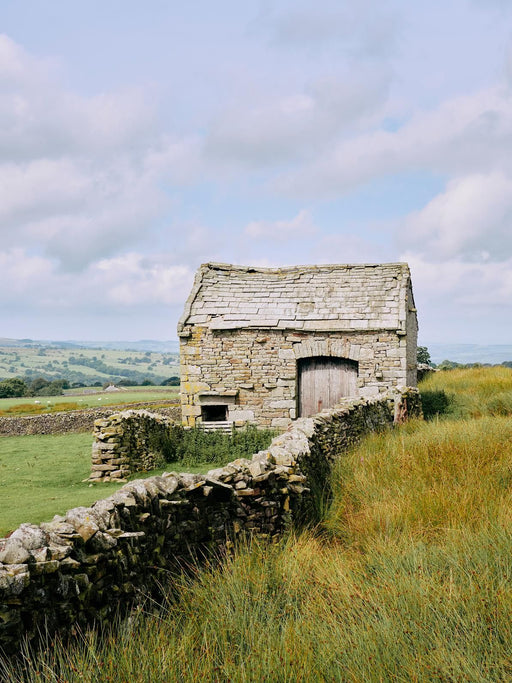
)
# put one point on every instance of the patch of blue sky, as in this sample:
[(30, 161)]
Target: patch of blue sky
[(381, 200), (222, 207)]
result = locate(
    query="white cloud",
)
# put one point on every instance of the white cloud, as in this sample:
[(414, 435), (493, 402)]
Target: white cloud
[(349, 248), (133, 279), (22, 274), (129, 281), (80, 177), (471, 287), (272, 130), (466, 134), (460, 301), (41, 119), (471, 221), (75, 210), (362, 29), (301, 225)]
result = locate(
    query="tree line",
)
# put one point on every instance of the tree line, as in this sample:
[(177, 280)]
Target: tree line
[(17, 387)]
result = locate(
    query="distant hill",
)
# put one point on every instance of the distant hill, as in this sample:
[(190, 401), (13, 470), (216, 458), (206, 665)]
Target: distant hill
[(89, 362), (471, 353), (154, 345), (460, 353)]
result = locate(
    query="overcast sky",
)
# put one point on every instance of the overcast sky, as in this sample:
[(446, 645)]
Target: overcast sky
[(138, 140)]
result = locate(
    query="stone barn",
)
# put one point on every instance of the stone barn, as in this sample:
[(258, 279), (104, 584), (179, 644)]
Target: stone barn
[(267, 345)]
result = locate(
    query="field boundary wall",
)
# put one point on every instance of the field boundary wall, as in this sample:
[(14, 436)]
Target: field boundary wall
[(81, 568), (72, 420)]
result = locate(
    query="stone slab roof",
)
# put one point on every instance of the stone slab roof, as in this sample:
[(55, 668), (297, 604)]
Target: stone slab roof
[(316, 298)]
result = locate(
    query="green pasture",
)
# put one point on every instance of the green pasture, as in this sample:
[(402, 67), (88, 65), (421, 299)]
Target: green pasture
[(90, 398), (41, 476)]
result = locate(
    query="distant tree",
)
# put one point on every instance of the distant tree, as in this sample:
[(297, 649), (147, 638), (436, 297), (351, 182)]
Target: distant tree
[(423, 355), (37, 384), (43, 387), (171, 382), (13, 387), (53, 389), (63, 383), (448, 365), (147, 383)]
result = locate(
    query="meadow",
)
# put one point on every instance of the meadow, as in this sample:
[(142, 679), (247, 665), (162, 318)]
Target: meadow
[(41, 476), (473, 392), (77, 399), (45, 475), (406, 578)]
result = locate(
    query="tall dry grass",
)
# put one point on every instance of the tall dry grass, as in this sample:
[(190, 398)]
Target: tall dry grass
[(424, 480), (473, 392)]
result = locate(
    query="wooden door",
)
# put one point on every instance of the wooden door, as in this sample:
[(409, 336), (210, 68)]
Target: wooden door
[(323, 381)]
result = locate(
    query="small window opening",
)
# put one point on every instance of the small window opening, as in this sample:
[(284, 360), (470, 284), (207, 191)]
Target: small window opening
[(214, 413)]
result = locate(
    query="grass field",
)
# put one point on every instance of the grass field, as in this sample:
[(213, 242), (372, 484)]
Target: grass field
[(86, 398), (407, 578), (474, 392), (41, 476)]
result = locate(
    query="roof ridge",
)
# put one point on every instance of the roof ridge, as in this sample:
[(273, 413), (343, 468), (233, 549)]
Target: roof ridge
[(269, 269)]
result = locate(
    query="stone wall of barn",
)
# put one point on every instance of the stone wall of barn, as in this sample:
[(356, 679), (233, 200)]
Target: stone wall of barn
[(411, 342), (254, 372)]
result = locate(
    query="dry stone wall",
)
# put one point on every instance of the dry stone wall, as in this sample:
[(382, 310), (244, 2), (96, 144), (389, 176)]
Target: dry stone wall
[(81, 567), (131, 441), (70, 421)]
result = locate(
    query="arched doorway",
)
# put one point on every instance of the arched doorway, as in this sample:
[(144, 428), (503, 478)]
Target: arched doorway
[(323, 381)]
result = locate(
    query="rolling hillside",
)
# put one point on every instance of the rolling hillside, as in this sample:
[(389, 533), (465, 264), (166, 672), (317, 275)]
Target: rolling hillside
[(85, 365)]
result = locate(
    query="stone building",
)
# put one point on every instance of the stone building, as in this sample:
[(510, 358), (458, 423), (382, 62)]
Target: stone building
[(267, 345)]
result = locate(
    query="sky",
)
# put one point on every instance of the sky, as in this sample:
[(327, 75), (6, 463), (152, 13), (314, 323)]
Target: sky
[(139, 140)]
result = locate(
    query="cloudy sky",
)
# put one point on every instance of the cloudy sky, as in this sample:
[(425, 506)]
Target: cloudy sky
[(138, 140)]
